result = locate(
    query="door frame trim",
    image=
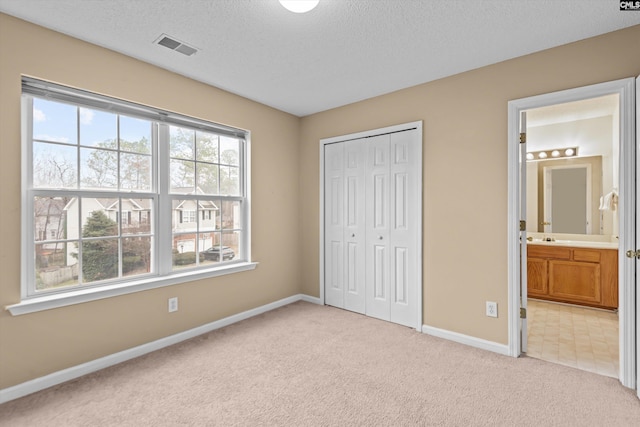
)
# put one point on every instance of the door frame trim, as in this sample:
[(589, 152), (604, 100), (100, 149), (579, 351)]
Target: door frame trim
[(364, 134), (625, 88)]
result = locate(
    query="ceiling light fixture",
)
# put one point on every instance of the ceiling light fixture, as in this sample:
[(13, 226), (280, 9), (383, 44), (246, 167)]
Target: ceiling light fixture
[(299, 6)]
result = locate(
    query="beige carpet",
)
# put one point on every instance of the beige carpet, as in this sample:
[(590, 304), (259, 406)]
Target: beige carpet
[(308, 365)]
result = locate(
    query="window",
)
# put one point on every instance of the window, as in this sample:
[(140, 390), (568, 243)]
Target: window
[(120, 193)]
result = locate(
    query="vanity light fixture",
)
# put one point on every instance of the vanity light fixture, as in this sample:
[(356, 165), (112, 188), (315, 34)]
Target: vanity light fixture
[(299, 6), (553, 153)]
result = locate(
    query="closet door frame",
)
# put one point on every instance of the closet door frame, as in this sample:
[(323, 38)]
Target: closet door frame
[(418, 206)]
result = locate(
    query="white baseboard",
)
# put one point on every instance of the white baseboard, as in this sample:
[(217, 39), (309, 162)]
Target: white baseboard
[(77, 371), (312, 300), (467, 340)]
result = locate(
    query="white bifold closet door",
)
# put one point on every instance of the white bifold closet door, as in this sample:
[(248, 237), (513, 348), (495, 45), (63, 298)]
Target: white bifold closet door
[(371, 226), (344, 226)]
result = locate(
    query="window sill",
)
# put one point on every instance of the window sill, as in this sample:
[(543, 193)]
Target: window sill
[(33, 305)]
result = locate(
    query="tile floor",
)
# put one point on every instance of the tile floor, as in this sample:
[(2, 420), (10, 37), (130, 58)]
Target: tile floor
[(575, 336)]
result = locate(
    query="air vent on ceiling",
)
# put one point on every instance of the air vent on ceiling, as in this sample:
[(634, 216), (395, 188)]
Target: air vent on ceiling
[(173, 44)]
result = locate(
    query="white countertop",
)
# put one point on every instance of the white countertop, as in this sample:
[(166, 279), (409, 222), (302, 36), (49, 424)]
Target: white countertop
[(575, 243)]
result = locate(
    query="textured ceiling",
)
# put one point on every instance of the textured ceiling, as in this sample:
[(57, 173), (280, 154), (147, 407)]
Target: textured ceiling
[(341, 52)]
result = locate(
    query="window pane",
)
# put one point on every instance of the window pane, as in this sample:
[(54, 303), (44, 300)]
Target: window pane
[(182, 177), (184, 250), (210, 244), (50, 218), (181, 143), (229, 181), (224, 247), (99, 259), (211, 254), (55, 121), (100, 217), (136, 256), (208, 215), (138, 216), (135, 172), (230, 245), (231, 215), (208, 178), (184, 215), (229, 151), (56, 266), (207, 147), (98, 168), (135, 135), (54, 166), (98, 128)]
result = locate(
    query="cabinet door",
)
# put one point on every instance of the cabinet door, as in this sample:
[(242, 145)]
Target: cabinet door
[(575, 281), (537, 284)]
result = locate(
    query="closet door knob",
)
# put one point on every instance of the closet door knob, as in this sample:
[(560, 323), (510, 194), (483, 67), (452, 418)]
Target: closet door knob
[(353, 234), (379, 237)]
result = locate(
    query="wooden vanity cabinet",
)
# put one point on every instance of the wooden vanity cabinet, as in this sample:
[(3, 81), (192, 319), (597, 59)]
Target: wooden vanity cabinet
[(585, 276)]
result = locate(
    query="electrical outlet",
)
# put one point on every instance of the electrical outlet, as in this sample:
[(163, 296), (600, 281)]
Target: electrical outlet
[(173, 304), (492, 309)]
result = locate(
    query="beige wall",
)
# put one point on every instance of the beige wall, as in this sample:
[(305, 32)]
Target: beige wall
[(36, 344), (465, 170)]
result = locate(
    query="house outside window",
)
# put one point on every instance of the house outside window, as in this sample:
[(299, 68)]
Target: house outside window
[(121, 193)]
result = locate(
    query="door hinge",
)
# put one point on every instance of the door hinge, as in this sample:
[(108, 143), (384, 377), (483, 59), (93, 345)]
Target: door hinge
[(523, 313), (523, 137), (523, 225)]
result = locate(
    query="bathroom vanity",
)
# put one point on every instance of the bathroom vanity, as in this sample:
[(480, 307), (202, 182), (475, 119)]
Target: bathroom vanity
[(573, 272)]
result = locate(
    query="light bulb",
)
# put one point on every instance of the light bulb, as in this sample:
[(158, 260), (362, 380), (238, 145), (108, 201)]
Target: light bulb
[(542, 155), (555, 153), (569, 151), (529, 156), (299, 6)]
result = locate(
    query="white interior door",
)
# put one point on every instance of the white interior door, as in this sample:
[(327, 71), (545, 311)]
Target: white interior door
[(523, 230), (637, 288), (404, 194), (354, 226), (392, 191), (378, 301), (334, 228)]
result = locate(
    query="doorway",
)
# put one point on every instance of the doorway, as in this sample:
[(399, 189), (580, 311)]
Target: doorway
[(572, 164), (371, 223), (563, 275)]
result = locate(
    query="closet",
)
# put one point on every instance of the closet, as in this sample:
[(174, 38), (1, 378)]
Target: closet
[(372, 224)]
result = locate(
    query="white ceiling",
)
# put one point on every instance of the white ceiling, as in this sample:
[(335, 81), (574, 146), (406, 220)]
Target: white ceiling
[(341, 52)]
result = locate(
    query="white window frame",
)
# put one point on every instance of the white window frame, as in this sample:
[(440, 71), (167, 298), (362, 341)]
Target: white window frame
[(163, 274)]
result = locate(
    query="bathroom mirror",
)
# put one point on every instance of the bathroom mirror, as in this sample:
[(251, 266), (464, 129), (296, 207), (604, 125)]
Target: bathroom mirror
[(563, 193), (564, 196), (566, 201)]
